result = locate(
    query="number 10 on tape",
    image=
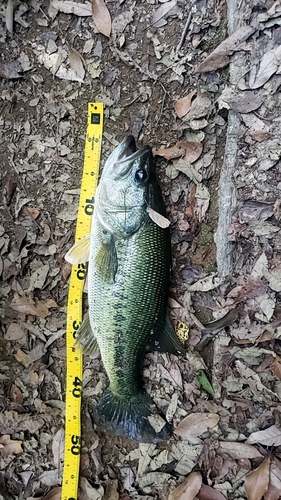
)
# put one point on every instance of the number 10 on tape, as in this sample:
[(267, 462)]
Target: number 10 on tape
[(74, 361)]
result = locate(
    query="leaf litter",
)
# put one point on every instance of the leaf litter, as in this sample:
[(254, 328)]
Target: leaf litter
[(234, 421)]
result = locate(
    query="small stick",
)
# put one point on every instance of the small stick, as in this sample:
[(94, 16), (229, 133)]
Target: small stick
[(181, 42)]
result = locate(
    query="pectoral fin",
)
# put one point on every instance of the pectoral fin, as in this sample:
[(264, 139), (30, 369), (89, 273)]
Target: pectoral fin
[(165, 339), (80, 252), (106, 260), (86, 338)]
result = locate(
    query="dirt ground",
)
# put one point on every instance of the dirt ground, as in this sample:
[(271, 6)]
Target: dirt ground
[(210, 109)]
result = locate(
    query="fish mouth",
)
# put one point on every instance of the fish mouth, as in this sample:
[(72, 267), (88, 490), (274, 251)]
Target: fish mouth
[(129, 152)]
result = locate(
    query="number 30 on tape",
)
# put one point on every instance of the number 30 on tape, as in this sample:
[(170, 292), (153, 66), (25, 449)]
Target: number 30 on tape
[(74, 362)]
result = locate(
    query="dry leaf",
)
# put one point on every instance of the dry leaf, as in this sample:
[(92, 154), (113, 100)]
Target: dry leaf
[(9, 16), (111, 492), (10, 70), (276, 369), (188, 151), (24, 305), (196, 424), (272, 493), (188, 489), (16, 395), (183, 105), (163, 10), (69, 7), (245, 102), (76, 63), (9, 447), (54, 494), (200, 107), (206, 284), (58, 448), (269, 437), (29, 212), (14, 332), (173, 374), (273, 276), (257, 481), (275, 474), (209, 493), (214, 61), (268, 66), (238, 450), (101, 17), (219, 57)]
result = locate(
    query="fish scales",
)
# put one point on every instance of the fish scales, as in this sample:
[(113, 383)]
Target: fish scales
[(131, 305), (128, 277)]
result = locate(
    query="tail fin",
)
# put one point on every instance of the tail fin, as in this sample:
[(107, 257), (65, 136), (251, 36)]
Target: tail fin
[(129, 418)]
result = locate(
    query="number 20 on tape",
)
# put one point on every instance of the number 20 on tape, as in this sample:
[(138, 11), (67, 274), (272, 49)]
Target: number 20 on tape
[(74, 362)]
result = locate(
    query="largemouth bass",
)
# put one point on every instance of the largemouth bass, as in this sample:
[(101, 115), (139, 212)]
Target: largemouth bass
[(129, 256)]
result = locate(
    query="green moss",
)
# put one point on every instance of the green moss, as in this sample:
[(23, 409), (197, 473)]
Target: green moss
[(205, 237), (219, 36)]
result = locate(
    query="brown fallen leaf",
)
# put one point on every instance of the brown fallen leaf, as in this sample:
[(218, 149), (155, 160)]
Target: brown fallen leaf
[(272, 493), (29, 212), (188, 489), (54, 494), (209, 493), (14, 332), (9, 446), (219, 57), (24, 305), (16, 395), (196, 424), (214, 61), (238, 450), (257, 481), (259, 135), (101, 17), (276, 369), (76, 63), (28, 359), (111, 491), (70, 7), (183, 105), (200, 107), (10, 70), (188, 151)]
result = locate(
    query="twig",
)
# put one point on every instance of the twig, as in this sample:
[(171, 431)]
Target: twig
[(186, 26), (162, 105)]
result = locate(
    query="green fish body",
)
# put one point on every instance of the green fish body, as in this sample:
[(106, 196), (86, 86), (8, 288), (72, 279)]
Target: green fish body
[(128, 279)]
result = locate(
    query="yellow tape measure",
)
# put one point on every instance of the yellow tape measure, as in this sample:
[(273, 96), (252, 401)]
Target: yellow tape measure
[(74, 306)]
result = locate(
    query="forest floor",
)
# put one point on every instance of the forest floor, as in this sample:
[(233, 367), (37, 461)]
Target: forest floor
[(210, 109)]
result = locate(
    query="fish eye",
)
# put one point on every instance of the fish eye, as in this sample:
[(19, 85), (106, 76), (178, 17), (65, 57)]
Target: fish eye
[(141, 175)]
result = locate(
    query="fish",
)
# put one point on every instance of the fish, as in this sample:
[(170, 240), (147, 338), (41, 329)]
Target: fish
[(129, 264)]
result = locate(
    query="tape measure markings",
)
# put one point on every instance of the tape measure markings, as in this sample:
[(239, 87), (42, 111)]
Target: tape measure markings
[(74, 364)]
